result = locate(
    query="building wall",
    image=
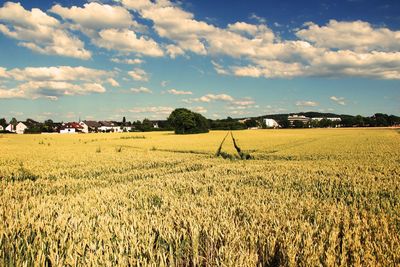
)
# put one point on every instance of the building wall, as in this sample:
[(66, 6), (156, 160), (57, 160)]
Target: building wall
[(20, 128), (271, 123), (68, 131)]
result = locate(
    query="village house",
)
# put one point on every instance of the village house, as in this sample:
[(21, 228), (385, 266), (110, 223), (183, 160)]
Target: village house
[(329, 119), (10, 128), (1, 128), (271, 123), (90, 126), (301, 118), (21, 127), (106, 126), (71, 128)]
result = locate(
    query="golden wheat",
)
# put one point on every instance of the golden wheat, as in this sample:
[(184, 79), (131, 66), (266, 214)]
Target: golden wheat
[(327, 197)]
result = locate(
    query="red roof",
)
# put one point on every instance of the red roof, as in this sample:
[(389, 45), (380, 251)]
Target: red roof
[(72, 125)]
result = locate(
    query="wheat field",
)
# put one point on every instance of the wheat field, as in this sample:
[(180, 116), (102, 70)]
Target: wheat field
[(309, 197)]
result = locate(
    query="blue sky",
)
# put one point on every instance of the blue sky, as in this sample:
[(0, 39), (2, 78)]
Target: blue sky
[(141, 59)]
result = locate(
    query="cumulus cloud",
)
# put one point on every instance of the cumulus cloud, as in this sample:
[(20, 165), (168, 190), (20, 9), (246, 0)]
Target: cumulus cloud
[(212, 97), (218, 68), (96, 16), (155, 110), (172, 22), (60, 73), (307, 103), (178, 92), (354, 35), (127, 41), (173, 50), (50, 89), (113, 82), (338, 100), (53, 82), (141, 90), (39, 32), (135, 61), (199, 109), (139, 75)]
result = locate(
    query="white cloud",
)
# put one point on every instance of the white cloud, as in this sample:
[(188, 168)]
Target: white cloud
[(178, 92), (53, 82), (11, 93), (338, 100), (172, 22), (155, 110), (212, 97), (199, 109), (307, 103), (3, 73), (60, 73), (173, 51), (141, 90), (354, 35), (219, 69), (96, 16), (139, 75), (135, 61), (40, 32), (127, 41), (50, 89), (112, 82)]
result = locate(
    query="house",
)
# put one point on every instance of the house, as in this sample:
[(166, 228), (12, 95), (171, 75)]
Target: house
[(329, 119), (10, 128), (1, 128), (90, 126), (117, 127), (71, 128), (271, 123), (301, 118), (21, 127), (106, 126)]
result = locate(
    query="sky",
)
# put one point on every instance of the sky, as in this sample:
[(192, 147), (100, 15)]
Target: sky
[(103, 60)]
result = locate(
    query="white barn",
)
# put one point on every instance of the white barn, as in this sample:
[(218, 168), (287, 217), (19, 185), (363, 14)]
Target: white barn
[(20, 128), (10, 128), (271, 123)]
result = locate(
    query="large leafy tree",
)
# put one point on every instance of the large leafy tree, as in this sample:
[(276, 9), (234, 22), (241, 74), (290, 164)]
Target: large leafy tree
[(185, 121)]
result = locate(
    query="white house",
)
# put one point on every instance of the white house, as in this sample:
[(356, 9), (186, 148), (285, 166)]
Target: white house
[(10, 128), (71, 128), (271, 123), (20, 128), (329, 119), (1, 128)]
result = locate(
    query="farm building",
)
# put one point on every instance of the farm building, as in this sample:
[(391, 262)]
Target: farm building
[(1, 128), (106, 126), (20, 128), (293, 118), (329, 119), (90, 126), (71, 128), (271, 123), (10, 128)]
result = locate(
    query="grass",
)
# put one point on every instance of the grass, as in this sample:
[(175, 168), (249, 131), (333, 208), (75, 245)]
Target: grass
[(308, 197)]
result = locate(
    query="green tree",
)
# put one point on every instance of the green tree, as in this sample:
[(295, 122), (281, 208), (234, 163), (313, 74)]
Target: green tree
[(185, 121), (146, 125), (3, 122), (14, 121), (298, 124), (251, 123)]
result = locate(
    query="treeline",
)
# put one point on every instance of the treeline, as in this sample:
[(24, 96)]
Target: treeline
[(376, 120), (185, 121)]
